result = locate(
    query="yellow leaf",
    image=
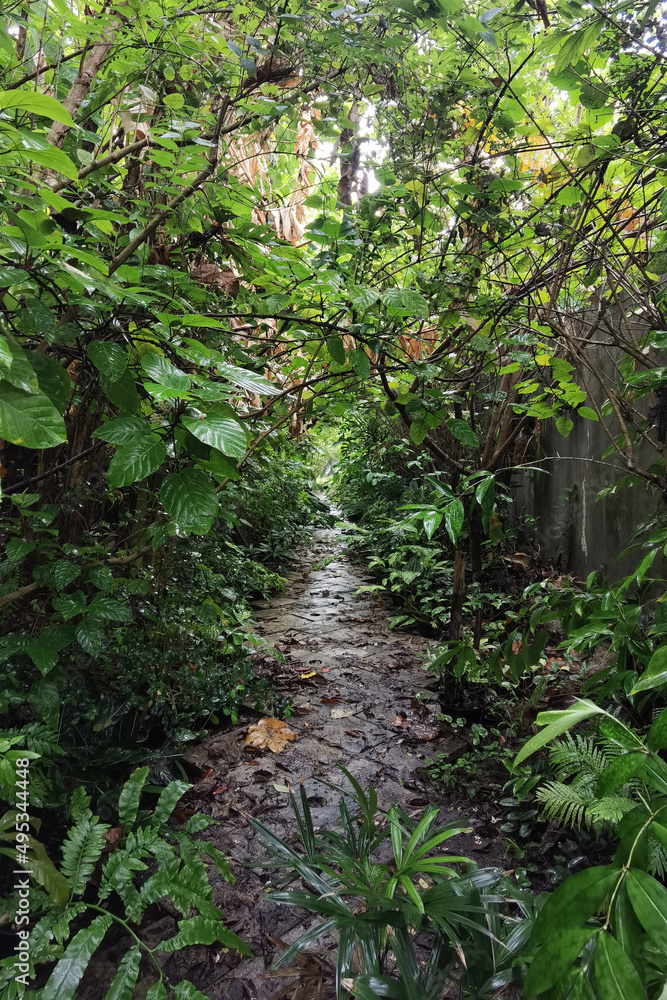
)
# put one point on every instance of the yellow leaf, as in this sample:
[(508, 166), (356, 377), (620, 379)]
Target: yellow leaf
[(305, 676), (542, 359)]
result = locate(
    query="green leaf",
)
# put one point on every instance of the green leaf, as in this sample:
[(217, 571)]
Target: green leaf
[(431, 523), (649, 901), (128, 801), (164, 373), (405, 301), (121, 392), (157, 992), (463, 432), (564, 425), (122, 987), (555, 957), (562, 721), (418, 430), (108, 609), (454, 514), (52, 379), (574, 901), (336, 349), (166, 803), (64, 573), (186, 991), (200, 930), (16, 549), (247, 380), (619, 772), (484, 494), (65, 977), (30, 420), (123, 430), (136, 460), (109, 359), (53, 159), (587, 413), (615, 976), (190, 500), (657, 734), (34, 104), (222, 433), (655, 674), (89, 635), (102, 578), (360, 362)]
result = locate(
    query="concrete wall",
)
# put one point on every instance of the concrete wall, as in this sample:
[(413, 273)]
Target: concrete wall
[(575, 531)]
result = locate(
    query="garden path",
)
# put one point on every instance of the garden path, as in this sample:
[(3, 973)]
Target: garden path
[(353, 684)]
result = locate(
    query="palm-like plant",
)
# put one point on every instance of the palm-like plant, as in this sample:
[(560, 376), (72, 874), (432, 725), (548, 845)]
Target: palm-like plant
[(406, 922)]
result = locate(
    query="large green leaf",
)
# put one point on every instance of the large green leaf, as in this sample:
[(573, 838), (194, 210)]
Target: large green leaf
[(657, 734), (555, 957), (200, 930), (164, 373), (463, 432), (574, 901), (247, 380), (136, 460), (110, 359), (615, 976), (454, 514), (649, 901), (53, 159), (360, 362), (619, 771), (65, 977), (34, 103), (336, 349), (122, 392), (123, 430), (655, 674), (222, 433), (122, 987), (29, 419), (52, 378), (190, 500), (130, 796), (558, 722)]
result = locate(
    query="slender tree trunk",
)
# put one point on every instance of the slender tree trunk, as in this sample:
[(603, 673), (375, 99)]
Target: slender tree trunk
[(458, 595)]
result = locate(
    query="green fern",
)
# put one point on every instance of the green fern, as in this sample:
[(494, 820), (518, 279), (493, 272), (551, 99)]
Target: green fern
[(81, 852)]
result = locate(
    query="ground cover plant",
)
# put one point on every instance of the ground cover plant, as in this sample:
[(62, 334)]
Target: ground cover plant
[(419, 241)]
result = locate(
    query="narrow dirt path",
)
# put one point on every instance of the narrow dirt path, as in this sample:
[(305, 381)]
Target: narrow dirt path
[(352, 682)]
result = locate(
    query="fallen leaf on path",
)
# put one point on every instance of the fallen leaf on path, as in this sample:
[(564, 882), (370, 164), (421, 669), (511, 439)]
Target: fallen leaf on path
[(399, 721), (344, 713), (304, 677), (281, 788), (269, 734)]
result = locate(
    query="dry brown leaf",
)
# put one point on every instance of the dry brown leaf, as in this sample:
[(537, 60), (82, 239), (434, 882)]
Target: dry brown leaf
[(269, 734), (211, 274)]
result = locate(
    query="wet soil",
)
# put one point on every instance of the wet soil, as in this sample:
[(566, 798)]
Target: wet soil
[(353, 683)]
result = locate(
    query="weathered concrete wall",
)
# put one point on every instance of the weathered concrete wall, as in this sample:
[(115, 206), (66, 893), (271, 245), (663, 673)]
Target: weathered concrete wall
[(575, 531)]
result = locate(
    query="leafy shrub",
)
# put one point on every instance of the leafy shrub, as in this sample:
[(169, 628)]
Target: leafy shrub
[(406, 922), (603, 932), (125, 870)]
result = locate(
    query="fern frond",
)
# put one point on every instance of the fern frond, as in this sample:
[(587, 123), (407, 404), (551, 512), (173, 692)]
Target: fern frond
[(578, 758), (563, 803), (81, 851), (610, 809)]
